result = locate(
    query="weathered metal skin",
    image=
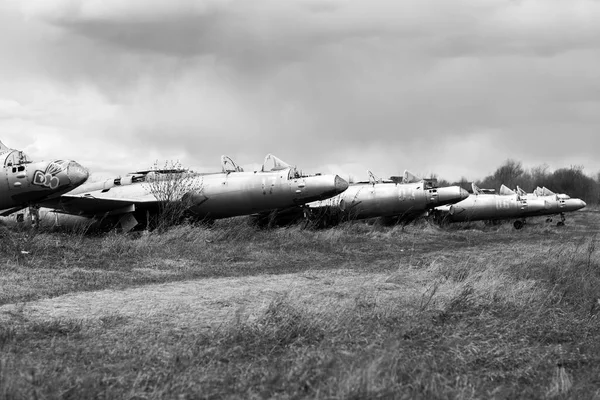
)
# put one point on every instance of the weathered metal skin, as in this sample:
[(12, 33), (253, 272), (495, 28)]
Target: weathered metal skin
[(210, 196), (386, 199), (23, 182), (244, 193), (491, 207), (553, 203), (509, 205)]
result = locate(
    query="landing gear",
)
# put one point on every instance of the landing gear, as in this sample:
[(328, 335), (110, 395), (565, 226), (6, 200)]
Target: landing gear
[(548, 220), (34, 215), (562, 220), (518, 224)]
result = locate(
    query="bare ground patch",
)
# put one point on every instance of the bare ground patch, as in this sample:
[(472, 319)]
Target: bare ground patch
[(210, 302)]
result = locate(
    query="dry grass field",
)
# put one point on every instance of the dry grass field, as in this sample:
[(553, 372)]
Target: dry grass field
[(467, 311)]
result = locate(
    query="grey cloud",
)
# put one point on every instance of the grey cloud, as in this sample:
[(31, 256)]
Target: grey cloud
[(314, 80), (290, 29)]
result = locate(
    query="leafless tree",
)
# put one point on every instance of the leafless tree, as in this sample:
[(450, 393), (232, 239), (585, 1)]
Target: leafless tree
[(173, 187)]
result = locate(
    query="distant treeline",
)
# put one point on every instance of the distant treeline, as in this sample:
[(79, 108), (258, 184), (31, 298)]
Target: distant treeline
[(572, 181)]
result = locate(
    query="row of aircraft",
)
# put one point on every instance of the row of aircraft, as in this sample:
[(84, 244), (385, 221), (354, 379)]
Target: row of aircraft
[(509, 204), (277, 193)]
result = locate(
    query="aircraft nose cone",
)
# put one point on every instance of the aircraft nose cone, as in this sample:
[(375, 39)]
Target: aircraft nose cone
[(76, 173), (340, 184), (463, 194), (450, 195), (583, 204)]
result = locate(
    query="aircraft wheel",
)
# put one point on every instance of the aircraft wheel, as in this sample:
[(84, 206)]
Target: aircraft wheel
[(518, 224), (560, 223)]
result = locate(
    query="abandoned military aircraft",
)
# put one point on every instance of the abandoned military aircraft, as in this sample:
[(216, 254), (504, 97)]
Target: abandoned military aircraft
[(554, 204), (508, 204), (392, 200), (131, 201), (25, 182)]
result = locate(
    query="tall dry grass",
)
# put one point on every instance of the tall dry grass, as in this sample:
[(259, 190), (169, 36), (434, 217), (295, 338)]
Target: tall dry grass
[(466, 312)]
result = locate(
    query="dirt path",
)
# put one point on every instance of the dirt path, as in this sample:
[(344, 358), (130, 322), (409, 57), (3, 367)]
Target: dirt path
[(209, 302)]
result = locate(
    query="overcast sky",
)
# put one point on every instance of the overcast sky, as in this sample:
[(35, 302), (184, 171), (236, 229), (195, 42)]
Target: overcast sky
[(433, 86)]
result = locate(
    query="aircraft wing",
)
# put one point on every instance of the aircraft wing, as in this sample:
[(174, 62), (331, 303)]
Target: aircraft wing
[(7, 212), (92, 204)]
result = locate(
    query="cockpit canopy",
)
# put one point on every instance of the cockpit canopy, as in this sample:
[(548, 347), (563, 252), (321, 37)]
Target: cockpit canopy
[(273, 163), (544, 191), (506, 191), (408, 177), (12, 157), (477, 190), (228, 165)]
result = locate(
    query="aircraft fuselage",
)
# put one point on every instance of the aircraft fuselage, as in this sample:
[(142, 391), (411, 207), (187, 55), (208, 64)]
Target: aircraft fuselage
[(489, 207), (23, 182), (496, 207), (387, 199), (210, 196), (241, 193)]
